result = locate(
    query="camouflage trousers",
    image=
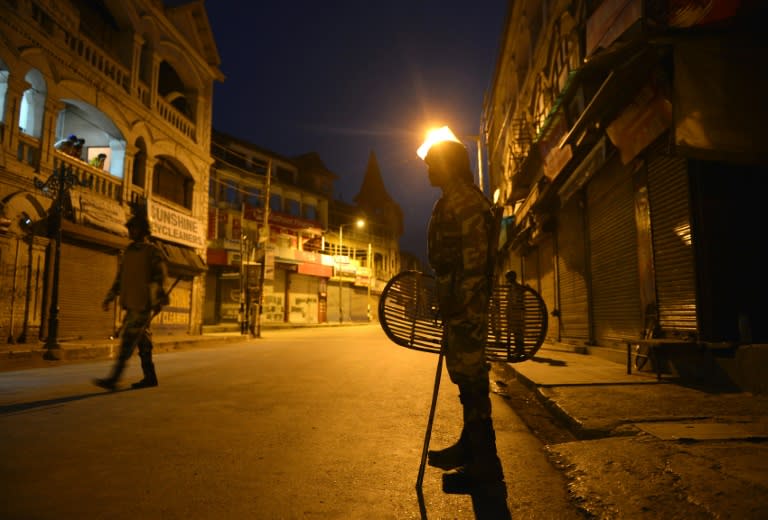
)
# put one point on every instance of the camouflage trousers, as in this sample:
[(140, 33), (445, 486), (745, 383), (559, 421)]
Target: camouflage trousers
[(133, 325), (464, 347)]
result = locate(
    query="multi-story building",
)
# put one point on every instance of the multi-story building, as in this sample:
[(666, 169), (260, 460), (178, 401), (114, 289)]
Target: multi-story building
[(307, 258), (133, 82), (625, 139), (244, 229)]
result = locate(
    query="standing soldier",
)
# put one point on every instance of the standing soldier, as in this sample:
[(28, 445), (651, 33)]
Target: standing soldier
[(460, 254), (139, 283)]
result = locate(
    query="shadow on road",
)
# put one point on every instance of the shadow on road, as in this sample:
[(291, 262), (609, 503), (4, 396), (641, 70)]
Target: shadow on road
[(10, 409), (549, 361)]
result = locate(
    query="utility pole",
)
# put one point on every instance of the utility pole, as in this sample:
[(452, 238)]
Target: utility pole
[(264, 241)]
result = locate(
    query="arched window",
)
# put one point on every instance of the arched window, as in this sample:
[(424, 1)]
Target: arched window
[(171, 182), (3, 89), (172, 89), (33, 104)]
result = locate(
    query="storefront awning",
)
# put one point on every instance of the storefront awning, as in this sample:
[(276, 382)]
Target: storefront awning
[(182, 260)]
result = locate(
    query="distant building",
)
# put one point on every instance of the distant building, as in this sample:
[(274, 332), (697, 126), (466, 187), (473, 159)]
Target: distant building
[(294, 276), (323, 260), (134, 81), (627, 141)]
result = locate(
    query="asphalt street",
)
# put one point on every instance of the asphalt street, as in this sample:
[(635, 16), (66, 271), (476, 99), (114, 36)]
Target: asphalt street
[(304, 423)]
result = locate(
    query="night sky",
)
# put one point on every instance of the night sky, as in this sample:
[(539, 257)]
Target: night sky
[(344, 78)]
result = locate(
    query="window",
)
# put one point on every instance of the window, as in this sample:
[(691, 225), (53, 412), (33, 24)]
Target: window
[(231, 193), (293, 207), (253, 198), (3, 90), (33, 104), (172, 183), (276, 203), (310, 212)]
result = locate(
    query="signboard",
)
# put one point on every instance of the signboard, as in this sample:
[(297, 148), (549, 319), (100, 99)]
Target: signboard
[(97, 211), (609, 21), (174, 226)]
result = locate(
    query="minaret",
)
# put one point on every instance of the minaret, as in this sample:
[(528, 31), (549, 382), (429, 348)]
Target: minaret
[(374, 200)]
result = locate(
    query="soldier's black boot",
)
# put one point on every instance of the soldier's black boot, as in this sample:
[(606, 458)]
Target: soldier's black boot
[(482, 476), (150, 377), (110, 383), (451, 457)]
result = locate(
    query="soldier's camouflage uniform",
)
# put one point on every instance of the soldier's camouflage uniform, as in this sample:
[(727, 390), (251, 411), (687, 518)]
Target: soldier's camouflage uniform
[(458, 253), (139, 284)]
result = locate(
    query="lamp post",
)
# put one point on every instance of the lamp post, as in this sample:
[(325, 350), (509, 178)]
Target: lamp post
[(57, 184), (360, 223)]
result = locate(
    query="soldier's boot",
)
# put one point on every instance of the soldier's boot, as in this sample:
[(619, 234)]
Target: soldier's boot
[(110, 383), (482, 475), (453, 456), (150, 377)]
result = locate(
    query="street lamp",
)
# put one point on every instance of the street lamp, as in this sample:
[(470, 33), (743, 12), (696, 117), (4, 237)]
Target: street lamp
[(359, 223), (57, 184)]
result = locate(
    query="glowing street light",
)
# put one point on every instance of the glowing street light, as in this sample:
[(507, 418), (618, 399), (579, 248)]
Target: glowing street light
[(434, 136)]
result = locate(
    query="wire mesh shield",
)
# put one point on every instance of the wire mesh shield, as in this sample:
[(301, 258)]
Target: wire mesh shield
[(517, 317), (408, 312), (517, 323)]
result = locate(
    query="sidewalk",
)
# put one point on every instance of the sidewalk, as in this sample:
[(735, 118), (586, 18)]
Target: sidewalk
[(648, 448)]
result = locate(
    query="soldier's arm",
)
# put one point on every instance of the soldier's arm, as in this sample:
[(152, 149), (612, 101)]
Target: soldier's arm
[(115, 289), (474, 247), (157, 275)]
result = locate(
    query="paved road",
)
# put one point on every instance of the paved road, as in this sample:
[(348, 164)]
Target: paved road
[(317, 423)]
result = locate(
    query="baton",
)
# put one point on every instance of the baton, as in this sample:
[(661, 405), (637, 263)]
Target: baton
[(428, 434)]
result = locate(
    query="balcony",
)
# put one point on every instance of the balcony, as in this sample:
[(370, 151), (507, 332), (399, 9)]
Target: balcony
[(101, 182)]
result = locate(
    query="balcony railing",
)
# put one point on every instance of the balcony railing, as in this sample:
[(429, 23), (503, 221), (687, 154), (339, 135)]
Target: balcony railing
[(90, 53), (28, 151), (101, 182), (175, 118)]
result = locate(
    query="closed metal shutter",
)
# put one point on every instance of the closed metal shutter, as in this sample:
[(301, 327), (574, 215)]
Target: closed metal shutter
[(674, 263), (572, 279), (85, 277), (613, 255), (530, 270), (359, 309), (174, 319), (334, 296), (303, 298), (547, 284), (274, 298)]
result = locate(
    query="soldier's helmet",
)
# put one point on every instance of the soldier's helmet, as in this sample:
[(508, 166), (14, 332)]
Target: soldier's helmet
[(140, 223), (445, 154)]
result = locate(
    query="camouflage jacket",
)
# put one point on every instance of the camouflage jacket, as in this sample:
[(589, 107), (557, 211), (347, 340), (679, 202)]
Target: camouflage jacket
[(140, 278), (458, 241)]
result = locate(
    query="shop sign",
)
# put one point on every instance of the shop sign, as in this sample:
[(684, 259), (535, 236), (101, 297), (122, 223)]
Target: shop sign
[(553, 157), (99, 212), (641, 122), (175, 226), (610, 20), (592, 162)]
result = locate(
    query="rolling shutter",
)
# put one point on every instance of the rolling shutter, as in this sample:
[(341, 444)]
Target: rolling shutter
[(85, 277), (672, 250), (572, 279), (613, 255)]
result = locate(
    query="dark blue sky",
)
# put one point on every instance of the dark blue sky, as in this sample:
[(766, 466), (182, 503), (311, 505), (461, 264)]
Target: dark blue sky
[(344, 78)]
